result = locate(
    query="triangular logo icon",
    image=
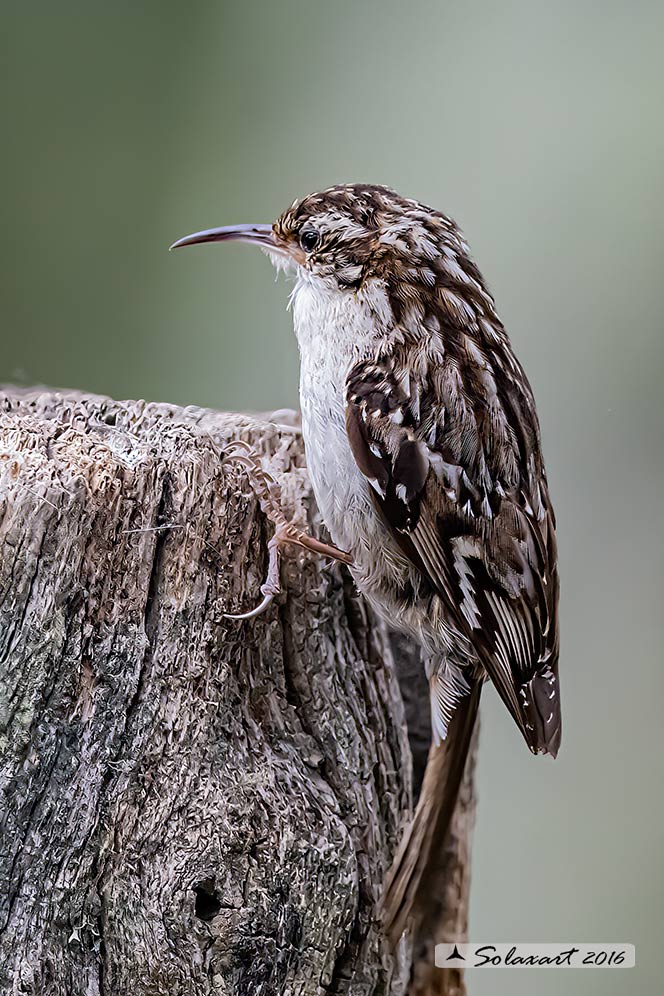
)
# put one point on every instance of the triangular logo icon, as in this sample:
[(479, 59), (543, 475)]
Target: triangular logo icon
[(456, 955)]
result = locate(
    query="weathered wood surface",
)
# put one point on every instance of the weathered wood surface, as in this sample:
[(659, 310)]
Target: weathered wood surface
[(191, 805)]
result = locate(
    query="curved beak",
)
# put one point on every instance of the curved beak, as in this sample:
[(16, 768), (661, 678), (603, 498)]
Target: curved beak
[(256, 235)]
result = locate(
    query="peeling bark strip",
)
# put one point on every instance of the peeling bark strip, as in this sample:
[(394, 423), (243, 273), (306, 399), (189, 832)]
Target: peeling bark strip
[(190, 805)]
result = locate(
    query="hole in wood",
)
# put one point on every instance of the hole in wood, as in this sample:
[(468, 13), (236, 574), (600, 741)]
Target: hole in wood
[(207, 902)]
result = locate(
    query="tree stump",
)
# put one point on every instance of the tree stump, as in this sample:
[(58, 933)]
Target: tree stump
[(193, 805)]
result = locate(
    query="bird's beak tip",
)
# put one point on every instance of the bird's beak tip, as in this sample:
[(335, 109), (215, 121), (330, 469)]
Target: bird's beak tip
[(260, 235)]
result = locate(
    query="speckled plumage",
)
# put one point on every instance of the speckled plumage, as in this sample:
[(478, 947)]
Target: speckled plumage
[(423, 446)]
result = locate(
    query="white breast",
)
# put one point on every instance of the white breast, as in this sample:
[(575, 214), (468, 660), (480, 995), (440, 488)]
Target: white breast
[(334, 330)]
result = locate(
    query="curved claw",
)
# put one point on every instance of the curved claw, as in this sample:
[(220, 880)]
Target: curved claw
[(270, 588), (247, 457), (253, 612), (241, 444)]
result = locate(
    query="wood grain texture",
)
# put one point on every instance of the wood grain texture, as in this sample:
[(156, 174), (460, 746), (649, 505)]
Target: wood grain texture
[(191, 805)]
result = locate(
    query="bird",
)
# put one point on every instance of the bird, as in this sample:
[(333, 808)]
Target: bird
[(423, 446)]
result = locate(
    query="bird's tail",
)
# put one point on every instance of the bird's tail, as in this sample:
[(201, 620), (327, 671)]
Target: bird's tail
[(404, 895)]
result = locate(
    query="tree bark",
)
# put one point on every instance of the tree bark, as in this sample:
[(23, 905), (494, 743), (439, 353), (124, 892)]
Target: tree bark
[(192, 805)]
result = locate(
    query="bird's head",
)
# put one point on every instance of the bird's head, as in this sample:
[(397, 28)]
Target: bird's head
[(347, 235), (403, 265)]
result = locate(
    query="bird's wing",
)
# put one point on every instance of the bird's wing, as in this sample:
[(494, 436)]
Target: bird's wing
[(452, 454)]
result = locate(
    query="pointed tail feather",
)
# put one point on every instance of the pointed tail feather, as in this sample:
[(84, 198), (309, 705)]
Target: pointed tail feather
[(539, 699), (405, 891)]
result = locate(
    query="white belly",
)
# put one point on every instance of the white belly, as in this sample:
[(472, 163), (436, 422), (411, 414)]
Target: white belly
[(341, 491), (327, 352)]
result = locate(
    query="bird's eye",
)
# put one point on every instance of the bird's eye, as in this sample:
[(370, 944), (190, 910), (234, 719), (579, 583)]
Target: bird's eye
[(309, 239)]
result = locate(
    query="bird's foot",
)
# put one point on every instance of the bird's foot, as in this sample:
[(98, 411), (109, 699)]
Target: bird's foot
[(268, 493)]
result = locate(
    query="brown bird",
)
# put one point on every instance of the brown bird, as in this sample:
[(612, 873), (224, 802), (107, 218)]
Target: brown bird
[(423, 447)]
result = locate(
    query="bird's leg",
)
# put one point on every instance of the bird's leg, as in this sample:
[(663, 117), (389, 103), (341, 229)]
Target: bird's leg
[(268, 493)]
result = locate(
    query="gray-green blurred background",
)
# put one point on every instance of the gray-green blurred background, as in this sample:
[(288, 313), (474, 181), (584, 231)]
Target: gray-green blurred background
[(538, 126)]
